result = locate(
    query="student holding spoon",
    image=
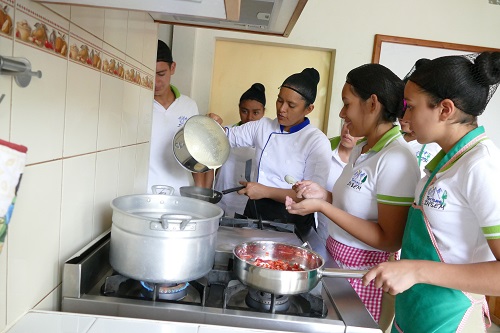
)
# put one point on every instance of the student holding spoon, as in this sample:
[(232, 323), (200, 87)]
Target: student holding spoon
[(370, 200)]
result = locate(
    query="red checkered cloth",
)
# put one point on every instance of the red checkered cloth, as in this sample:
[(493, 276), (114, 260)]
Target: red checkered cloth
[(352, 258)]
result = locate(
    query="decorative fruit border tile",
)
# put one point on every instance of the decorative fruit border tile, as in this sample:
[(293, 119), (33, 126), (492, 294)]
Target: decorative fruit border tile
[(112, 65), (87, 54), (137, 76), (35, 29), (6, 17)]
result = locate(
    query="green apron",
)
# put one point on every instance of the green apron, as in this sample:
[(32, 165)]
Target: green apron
[(423, 307)]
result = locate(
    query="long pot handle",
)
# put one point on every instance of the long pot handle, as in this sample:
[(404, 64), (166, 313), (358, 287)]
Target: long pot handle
[(234, 189), (343, 273)]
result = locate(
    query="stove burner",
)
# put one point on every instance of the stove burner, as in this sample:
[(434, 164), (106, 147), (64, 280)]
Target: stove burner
[(171, 292), (263, 301)]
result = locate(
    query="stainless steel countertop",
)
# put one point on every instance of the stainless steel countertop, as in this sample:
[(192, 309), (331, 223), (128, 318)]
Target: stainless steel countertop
[(81, 280)]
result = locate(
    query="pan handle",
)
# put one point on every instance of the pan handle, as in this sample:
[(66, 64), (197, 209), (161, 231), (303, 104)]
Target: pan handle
[(234, 189), (343, 273)]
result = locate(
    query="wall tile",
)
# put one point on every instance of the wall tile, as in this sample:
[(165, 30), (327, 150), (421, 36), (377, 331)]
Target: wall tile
[(130, 117), (63, 323), (106, 187), (135, 33), (145, 107), (126, 175), (111, 99), (77, 204), (141, 169), (150, 43), (82, 96), (34, 238), (89, 18), (51, 302), (115, 28), (87, 129), (63, 10), (6, 81), (42, 130)]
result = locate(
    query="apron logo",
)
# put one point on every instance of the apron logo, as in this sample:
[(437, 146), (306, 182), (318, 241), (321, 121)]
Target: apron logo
[(182, 121), (357, 180), (436, 198)]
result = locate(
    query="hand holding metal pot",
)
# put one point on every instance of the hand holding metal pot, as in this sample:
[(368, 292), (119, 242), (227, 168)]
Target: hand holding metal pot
[(201, 145), (215, 117), (254, 190)]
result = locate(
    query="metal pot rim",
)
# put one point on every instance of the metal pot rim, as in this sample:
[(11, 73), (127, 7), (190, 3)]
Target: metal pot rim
[(148, 197)]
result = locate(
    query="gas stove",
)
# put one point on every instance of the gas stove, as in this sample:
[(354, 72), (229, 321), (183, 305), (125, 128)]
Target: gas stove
[(91, 286)]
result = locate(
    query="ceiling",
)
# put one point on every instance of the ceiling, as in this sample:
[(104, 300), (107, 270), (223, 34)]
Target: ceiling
[(272, 17)]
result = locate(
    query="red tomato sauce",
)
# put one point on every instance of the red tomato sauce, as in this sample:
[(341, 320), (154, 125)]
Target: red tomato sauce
[(279, 265)]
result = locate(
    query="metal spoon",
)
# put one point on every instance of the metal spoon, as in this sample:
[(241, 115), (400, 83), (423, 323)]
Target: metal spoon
[(290, 180)]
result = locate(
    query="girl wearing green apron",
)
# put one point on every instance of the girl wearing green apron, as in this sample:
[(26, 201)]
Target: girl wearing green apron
[(451, 244)]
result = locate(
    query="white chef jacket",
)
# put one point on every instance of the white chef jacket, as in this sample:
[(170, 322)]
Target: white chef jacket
[(229, 175), (303, 153)]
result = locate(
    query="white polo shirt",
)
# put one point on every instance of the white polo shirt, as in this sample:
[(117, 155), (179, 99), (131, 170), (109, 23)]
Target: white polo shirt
[(163, 167), (388, 173), (424, 153), (462, 205)]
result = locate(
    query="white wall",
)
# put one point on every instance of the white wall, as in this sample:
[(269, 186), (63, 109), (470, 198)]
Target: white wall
[(349, 27), (87, 131)]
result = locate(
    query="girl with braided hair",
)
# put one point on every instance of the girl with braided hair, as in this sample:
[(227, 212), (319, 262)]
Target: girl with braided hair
[(451, 244)]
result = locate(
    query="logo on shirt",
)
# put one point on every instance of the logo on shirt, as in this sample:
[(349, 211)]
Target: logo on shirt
[(436, 197), (424, 157), (357, 180), (182, 120)]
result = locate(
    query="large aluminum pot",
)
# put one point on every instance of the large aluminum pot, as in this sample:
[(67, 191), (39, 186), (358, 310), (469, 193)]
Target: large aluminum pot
[(283, 282), (163, 239), (201, 145)]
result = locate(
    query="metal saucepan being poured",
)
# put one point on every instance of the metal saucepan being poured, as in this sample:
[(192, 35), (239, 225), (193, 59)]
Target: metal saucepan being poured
[(201, 145)]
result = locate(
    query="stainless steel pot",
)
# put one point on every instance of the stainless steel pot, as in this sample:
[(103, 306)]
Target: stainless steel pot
[(201, 145), (163, 239), (283, 282)]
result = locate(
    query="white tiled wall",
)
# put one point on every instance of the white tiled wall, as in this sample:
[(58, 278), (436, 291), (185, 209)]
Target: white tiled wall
[(87, 128)]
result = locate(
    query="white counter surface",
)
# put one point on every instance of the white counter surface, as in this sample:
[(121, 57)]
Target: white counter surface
[(63, 322)]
